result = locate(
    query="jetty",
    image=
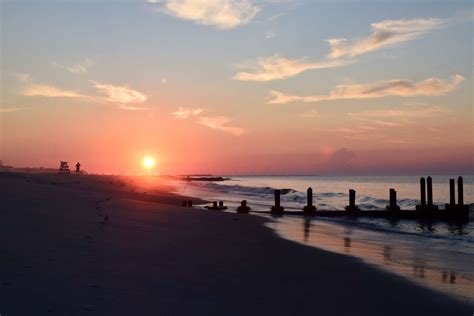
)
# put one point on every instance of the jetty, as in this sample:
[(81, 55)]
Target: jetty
[(457, 211)]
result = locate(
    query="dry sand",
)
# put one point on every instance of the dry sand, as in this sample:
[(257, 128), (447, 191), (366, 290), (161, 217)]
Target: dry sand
[(153, 257)]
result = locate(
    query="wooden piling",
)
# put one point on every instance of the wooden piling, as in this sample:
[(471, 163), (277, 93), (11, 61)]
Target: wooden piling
[(221, 204), (460, 191), (309, 197), (393, 197), (393, 207), (452, 198), (429, 184), (190, 203), (352, 202), (422, 191), (309, 209), (277, 207), (243, 208), (352, 198)]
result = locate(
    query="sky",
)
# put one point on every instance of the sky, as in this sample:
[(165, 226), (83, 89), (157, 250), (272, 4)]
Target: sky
[(239, 86)]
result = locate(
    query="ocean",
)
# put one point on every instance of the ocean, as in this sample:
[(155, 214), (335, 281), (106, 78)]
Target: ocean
[(439, 255)]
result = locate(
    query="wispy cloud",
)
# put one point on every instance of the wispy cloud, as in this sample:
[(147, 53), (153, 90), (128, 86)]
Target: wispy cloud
[(379, 89), (123, 95), (384, 34), (49, 91), (398, 117), (220, 123), (78, 68), (11, 110), (119, 94), (183, 113), (224, 14), (275, 68), (403, 113), (30, 88)]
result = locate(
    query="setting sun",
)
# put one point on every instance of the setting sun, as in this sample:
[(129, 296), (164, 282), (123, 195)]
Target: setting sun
[(148, 162)]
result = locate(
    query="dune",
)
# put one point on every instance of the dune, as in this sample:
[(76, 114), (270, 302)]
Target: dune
[(108, 245)]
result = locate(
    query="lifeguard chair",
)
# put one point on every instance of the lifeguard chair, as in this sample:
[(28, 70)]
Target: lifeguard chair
[(64, 167)]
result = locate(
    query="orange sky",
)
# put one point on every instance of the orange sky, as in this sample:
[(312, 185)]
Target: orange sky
[(265, 88)]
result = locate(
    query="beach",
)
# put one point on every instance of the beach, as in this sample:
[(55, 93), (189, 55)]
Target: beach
[(123, 245), (437, 254)]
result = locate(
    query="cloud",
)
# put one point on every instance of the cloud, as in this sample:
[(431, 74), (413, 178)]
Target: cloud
[(49, 91), (379, 89), (119, 94), (343, 156), (384, 34), (276, 68), (223, 14), (398, 117), (113, 94), (221, 123), (184, 113), (79, 68), (403, 113), (32, 89), (11, 110)]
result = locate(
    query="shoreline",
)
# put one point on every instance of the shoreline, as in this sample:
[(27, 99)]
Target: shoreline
[(388, 249), (153, 256)]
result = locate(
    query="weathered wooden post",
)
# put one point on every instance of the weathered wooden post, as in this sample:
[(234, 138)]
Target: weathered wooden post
[(422, 191), (460, 191), (352, 202), (190, 203), (243, 208), (185, 203), (452, 197), (309, 209), (277, 208), (459, 210), (429, 183), (422, 207), (217, 207), (352, 198), (393, 207), (429, 188)]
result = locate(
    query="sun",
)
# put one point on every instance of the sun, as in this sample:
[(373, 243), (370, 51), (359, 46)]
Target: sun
[(148, 162)]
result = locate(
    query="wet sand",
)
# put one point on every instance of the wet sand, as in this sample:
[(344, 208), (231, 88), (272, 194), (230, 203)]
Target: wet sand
[(447, 272), (60, 255)]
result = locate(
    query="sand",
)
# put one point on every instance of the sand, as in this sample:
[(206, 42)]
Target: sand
[(58, 256)]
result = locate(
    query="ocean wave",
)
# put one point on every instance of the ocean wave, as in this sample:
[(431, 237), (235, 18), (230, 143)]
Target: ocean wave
[(244, 190), (323, 200)]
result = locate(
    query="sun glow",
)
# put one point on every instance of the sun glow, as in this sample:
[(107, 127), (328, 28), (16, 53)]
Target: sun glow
[(148, 162)]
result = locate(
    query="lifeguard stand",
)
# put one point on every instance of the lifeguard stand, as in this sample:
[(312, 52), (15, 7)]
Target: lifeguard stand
[(64, 167)]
